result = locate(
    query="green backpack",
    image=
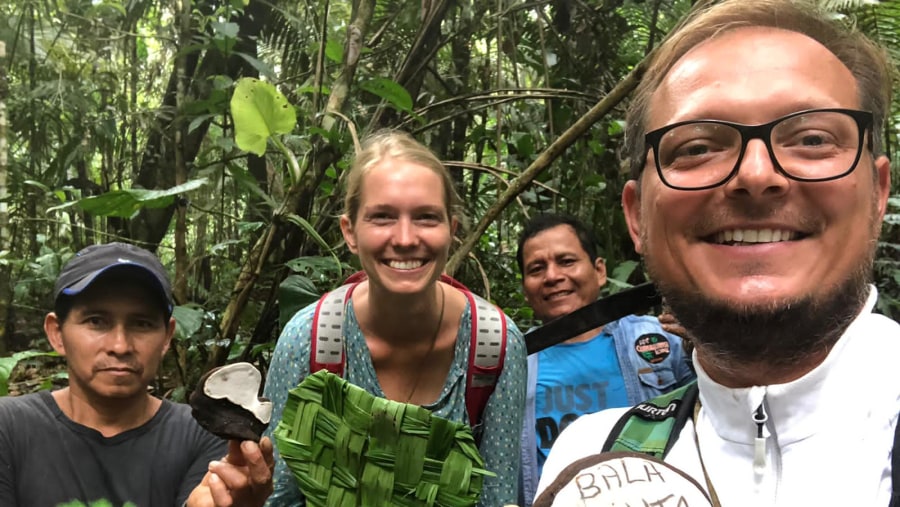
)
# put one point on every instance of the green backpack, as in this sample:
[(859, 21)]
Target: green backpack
[(652, 427)]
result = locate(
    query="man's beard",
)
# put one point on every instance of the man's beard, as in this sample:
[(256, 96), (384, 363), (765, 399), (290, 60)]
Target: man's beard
[(779, 333)]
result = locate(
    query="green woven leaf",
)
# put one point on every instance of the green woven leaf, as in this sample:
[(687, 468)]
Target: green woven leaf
[(346, 447)]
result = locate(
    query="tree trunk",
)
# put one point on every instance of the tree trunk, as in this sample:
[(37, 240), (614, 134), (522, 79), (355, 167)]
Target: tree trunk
[(179, 288), (5, 289)]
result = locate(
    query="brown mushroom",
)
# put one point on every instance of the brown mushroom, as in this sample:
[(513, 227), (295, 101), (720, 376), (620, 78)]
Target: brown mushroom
[(226, 403)]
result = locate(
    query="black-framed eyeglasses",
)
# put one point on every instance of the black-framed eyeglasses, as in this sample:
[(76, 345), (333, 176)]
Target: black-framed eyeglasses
[(812, 145)]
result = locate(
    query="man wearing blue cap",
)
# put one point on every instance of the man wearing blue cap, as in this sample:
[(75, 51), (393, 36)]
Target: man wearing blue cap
[(105, 436)]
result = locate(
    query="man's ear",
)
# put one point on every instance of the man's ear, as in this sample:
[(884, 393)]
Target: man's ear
[(600, 268), (631, 203), (883, 173), (347, 231), (53, 330), (170, 332)]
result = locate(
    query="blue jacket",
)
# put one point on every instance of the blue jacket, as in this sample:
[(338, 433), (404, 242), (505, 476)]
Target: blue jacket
[(652, 380)]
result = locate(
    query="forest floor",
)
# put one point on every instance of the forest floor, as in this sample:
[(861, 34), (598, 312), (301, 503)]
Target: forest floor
[(37, 374)]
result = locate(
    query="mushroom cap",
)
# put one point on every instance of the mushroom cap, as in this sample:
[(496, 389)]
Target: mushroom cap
[(238, 383), (226, 404)]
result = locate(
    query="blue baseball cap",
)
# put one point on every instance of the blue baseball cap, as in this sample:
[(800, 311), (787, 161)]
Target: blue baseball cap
[(90, 263)]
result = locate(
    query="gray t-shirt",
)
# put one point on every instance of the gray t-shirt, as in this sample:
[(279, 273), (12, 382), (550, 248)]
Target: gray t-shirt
[(47, 459)]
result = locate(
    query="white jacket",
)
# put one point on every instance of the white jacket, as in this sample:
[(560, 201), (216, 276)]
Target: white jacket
[(828, 436)]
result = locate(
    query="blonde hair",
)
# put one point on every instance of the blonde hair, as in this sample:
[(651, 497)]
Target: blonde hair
[(395, 144), (868, 62)]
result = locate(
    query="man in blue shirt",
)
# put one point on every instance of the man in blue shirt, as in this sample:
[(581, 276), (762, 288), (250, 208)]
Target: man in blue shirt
[(616, 365)]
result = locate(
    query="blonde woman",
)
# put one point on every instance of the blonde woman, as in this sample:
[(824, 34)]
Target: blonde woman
[(407, 334)]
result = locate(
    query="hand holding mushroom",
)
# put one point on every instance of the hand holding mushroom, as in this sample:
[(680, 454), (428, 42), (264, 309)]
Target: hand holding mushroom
[(242, 479), (227, 404)]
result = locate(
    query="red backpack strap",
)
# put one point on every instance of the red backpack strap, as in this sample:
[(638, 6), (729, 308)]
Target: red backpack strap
[(453, 282), (487, 351), (327, 348), (356, 278)]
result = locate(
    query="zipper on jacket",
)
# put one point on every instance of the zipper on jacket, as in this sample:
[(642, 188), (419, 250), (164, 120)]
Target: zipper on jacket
[(759, 447)]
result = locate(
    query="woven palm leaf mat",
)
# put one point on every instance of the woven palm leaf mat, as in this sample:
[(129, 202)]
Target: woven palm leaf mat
[(347, 448)]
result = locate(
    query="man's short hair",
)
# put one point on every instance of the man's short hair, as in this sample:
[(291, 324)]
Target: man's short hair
[(541, 223), (868, 62), (133, 264)]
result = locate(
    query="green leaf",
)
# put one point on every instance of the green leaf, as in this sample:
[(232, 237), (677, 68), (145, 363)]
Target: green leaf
[(141, 49), (320, 267), (525, 146), (96, 503), (334, 51), (259, 65), (187, 321), (226, 29), (37, 184), (620, 275), (306, 226), (615, 128), (98, 9), (125, 203), (324, 90), (624, 270), (222, 82), (225, 35), (243, 177), (224, 143), (259, 111), (196, 122), (390, 91), (597, 148), (294, 293)]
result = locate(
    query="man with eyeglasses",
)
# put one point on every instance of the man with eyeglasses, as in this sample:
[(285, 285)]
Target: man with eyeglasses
[(758, 189)]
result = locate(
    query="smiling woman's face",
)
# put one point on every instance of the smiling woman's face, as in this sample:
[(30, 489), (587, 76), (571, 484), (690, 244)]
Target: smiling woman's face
[(402, 232)]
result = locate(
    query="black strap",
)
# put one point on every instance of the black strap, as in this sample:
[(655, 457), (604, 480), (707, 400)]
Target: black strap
[(637, 299), (895, 468), (684, 412), (616, 431)]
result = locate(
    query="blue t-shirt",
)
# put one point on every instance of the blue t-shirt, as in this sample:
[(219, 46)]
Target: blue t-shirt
[(575, 379)]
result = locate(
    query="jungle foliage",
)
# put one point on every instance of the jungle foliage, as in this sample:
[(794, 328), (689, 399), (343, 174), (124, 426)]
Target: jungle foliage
[(120, 128)]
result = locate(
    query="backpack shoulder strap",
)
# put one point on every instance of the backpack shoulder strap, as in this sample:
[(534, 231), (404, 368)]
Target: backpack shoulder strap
[(652, 427), (487, 348), (327, 334), (487, 351)]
